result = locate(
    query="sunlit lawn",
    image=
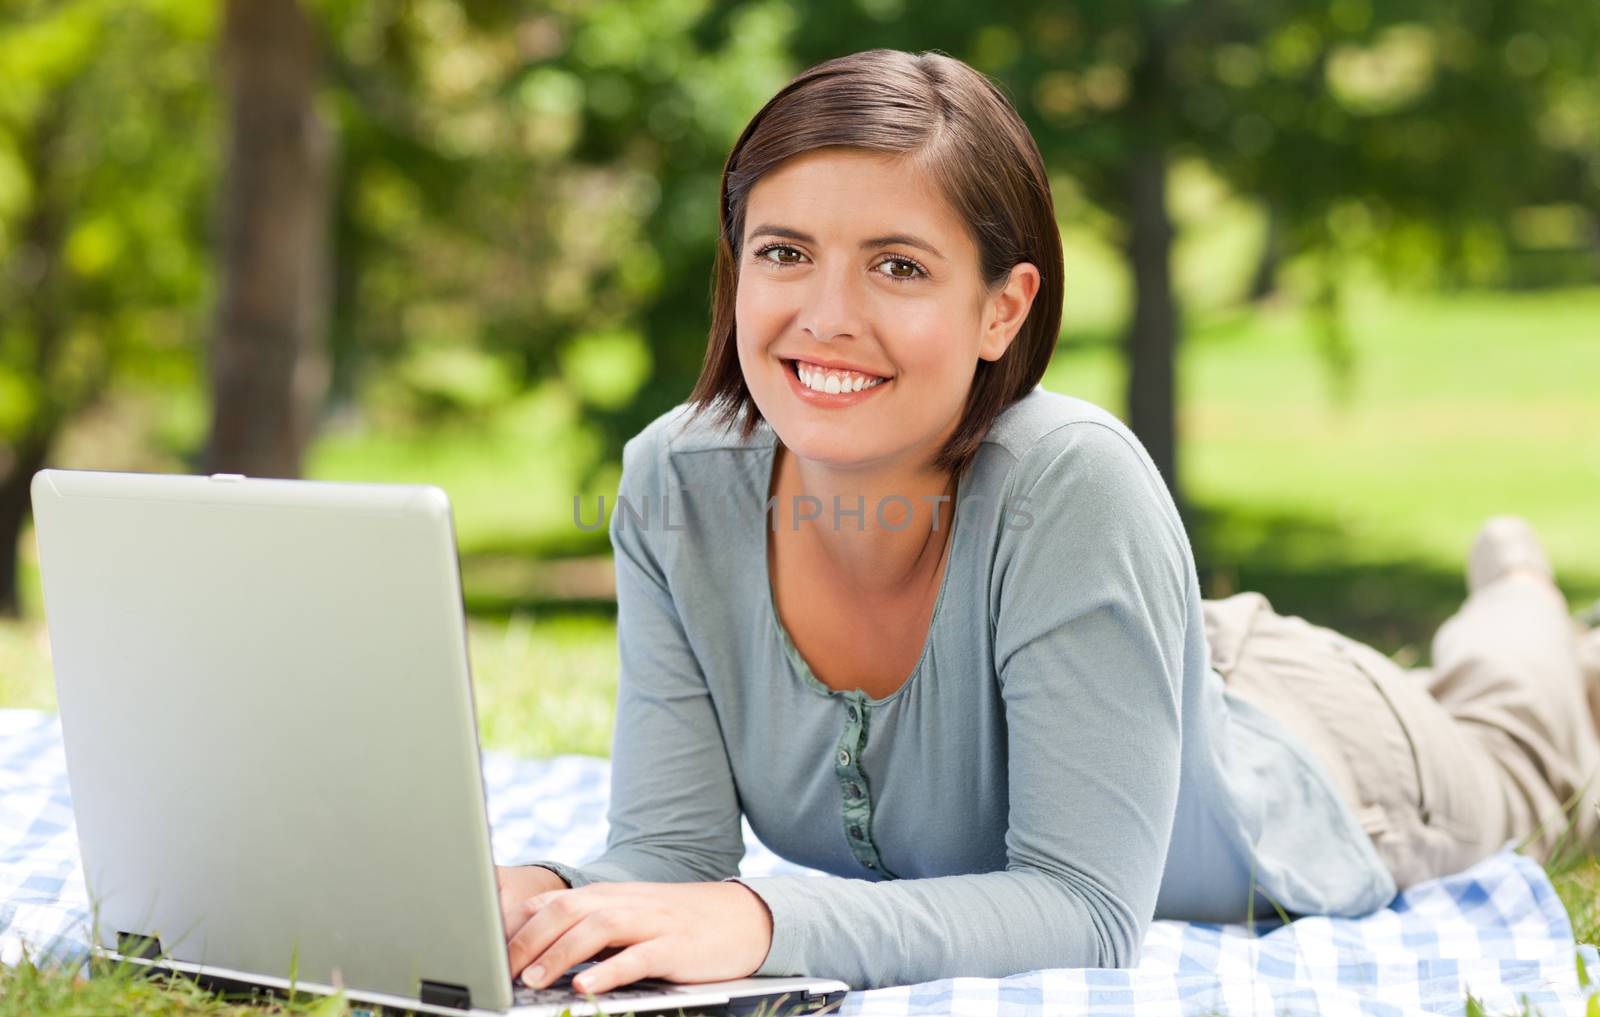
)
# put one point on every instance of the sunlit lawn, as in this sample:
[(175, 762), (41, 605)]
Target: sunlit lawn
[(1461, 406), (1354, 515)]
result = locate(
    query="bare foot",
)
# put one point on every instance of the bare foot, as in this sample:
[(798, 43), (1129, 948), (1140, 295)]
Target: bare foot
[(1506, 545), (1531, 573)]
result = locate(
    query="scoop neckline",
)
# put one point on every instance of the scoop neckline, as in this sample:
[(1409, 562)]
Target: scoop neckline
[(792, 652)]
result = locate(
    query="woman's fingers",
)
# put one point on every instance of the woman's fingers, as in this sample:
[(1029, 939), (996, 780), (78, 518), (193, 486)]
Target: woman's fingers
[(518, 886), (576, 944), (630, 965), (517, 909), (683, 933), (513, 912), (549, 915)]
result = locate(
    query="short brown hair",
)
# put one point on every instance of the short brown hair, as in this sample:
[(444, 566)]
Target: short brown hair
[(960, 130)]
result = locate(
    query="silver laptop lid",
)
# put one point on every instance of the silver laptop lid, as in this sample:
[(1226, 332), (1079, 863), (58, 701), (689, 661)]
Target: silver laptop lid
[(269, 727)]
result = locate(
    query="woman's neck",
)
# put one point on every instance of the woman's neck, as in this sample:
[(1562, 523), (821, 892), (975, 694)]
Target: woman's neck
[(890, 528)]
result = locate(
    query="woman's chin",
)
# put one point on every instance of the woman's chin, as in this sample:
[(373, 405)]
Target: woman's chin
[(835, 452)]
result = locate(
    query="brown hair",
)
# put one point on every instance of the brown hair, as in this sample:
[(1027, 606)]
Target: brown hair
[(958, 128)]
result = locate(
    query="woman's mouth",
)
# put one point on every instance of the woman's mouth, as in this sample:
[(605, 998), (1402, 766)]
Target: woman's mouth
[(829, 386)]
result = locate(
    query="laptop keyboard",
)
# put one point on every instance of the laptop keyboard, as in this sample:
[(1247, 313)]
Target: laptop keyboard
[(561, 991)]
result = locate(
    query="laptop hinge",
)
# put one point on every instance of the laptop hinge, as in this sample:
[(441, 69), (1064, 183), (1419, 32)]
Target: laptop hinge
[(446, 994), (131, 944)]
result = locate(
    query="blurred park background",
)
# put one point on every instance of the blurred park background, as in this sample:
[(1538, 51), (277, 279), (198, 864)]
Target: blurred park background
[(1337, 261)]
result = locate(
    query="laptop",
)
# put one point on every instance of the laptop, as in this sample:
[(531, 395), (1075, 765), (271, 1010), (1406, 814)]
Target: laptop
[(268, 721)]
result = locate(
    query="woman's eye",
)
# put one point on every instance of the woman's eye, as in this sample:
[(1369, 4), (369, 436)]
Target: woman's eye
[(784, 256), (902, 269), (783, 251)]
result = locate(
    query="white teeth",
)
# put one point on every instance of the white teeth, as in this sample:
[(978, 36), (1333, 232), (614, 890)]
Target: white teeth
[(833, 382)]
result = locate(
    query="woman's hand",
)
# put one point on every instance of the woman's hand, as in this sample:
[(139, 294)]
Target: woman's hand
[(517, 883), (683, 932)]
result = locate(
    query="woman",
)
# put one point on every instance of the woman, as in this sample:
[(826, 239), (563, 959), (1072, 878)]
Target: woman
[(937, 631)]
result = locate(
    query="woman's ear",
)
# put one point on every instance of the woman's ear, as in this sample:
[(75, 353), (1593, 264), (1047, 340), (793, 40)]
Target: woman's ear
[(1006, 309)]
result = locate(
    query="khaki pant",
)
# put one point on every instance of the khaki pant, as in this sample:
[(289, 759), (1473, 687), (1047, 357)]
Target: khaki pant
[(1441, 765)]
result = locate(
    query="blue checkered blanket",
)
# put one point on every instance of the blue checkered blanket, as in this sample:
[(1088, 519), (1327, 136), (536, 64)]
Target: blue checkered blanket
[(1496, 931)]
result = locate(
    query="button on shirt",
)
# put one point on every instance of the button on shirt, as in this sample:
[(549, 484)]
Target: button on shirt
[(1062, 765)]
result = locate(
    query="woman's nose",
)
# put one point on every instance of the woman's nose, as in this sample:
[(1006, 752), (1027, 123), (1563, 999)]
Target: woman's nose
[(833, 303)]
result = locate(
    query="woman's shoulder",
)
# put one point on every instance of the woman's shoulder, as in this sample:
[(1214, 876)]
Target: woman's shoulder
[(1047, 435), (684, 429), (1079, 487)]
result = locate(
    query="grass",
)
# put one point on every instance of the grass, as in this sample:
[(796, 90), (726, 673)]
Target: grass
[(38, 989), (34, 990), (1578, 886), (1354, 514), (548, 687), (1358, 514)]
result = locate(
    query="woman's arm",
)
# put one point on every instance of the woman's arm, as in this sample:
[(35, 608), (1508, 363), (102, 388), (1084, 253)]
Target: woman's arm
[(1091, 609), (674, 816)]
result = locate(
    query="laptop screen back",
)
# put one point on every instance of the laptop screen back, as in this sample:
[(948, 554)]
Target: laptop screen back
[(269, 727)]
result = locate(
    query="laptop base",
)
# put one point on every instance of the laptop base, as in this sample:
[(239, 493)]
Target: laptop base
[(241, 987)]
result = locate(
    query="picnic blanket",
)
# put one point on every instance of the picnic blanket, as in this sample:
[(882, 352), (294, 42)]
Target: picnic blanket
[(1496, 931)]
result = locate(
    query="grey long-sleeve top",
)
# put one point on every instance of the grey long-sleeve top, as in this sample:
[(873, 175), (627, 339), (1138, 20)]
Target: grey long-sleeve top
[(1062, 765)]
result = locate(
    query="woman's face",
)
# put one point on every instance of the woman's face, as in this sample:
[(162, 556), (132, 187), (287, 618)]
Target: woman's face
[(860, 313)]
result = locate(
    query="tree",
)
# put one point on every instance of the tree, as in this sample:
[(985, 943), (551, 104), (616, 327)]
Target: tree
[(1405, 134), (1314, 106), (100, 219), (269, 358), (547, 215)]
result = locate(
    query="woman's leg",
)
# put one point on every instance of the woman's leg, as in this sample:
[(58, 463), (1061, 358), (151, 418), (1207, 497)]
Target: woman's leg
[(1506, 667), (1441, 765), (1419, 785)]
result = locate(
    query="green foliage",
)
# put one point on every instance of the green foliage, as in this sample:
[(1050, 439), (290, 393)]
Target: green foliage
[(1412, 135), (526, 193), (102, 209), (530, 195), (607, 369)]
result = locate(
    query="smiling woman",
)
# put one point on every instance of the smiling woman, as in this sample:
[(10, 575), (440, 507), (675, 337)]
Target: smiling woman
[(937, 632), (816, 301), (864, 360)]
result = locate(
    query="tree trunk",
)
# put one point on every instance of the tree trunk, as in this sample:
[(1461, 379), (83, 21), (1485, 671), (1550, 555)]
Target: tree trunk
[(269, 362), (1152, 339), (36, 288), (1264, 282), (15, 506), (1333, 338)]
